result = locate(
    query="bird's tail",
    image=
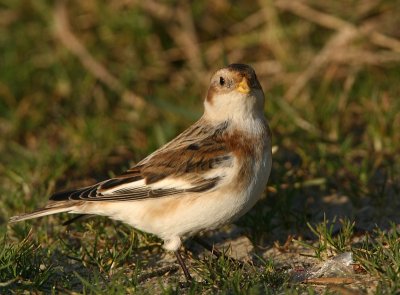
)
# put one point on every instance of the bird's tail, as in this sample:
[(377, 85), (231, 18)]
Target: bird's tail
[(51, 208)]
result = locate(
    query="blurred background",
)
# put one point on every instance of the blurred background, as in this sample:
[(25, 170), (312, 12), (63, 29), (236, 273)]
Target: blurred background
[(88, 88)]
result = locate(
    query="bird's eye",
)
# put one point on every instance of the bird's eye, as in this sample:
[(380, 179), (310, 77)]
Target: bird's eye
[(221, 81)]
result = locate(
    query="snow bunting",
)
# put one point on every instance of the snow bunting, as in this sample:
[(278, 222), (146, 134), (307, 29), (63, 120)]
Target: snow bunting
[(209, 175)]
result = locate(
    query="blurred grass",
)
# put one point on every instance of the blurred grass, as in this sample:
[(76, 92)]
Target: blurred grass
[(77, 109)]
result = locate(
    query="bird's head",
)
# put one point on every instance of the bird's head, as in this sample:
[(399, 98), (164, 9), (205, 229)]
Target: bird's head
[(234, 92)]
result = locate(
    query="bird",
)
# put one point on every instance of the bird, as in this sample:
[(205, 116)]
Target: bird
[(208, 176)]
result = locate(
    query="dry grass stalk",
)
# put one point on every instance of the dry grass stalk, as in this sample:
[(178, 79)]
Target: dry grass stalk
[(72, 43), (336, 43), (367, 29)]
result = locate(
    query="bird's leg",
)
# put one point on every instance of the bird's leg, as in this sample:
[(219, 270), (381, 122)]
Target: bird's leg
[(183, 266)]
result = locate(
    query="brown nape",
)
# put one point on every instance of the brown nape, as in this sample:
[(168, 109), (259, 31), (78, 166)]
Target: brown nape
[(240, 68)]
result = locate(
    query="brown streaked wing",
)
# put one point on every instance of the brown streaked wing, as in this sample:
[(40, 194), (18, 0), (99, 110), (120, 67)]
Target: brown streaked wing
[(188, 157)]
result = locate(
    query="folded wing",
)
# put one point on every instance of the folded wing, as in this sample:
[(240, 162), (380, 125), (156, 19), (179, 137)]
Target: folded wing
[(197, 161)]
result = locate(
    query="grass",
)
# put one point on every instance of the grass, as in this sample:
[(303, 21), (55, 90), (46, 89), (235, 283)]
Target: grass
[(332, 103)]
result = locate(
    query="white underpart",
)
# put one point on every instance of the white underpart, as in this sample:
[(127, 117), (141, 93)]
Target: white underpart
[(196, 212)]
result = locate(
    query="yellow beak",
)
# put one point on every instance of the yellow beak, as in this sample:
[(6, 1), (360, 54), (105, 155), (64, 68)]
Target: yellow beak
[(243, 87)]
